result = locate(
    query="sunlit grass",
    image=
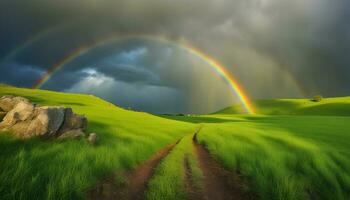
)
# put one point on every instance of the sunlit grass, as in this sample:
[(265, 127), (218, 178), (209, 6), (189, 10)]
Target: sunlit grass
[(339, 106), (300, 156), (66, 169), (286, 158), (169, 179)]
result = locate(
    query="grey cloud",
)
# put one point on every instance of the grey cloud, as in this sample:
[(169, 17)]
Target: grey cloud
[(19, 74), (63, 80), (129, 73), (264, 43), (158, 99)]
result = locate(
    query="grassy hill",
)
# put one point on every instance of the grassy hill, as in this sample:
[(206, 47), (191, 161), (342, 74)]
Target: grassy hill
[(294, 149), (66, 169), (339, 106)]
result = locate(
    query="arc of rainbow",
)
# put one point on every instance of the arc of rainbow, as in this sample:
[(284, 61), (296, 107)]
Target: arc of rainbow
[(216, 65), (222, 71), (31, 40)]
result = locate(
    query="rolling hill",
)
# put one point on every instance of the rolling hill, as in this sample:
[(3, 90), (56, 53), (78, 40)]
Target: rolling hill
[(338, 106), (65, 170), (292, 149)]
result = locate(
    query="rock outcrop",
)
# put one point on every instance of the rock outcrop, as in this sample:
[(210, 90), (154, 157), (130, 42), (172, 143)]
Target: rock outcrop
[(7, 103), (25, 119), (2, 115)]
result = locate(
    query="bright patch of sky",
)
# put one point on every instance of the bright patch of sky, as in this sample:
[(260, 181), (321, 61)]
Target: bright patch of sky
[(132, 55)]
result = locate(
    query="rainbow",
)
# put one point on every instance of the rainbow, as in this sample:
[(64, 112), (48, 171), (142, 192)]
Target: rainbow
[(216, 66)]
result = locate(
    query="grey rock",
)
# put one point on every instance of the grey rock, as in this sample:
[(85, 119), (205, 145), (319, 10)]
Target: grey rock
[(73, 134), (73, 121), (27, 120), (46, 122), (92, 138)]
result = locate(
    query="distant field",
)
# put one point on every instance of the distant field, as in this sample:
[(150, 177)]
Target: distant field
[(292, 149), (339, 106)]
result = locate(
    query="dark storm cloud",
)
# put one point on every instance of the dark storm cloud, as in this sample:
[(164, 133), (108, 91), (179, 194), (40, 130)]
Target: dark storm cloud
[(121, 64), (260, 41), (126, 67), (141, 97), (311, 38), (19, 74), (63, 80), (129, 73)]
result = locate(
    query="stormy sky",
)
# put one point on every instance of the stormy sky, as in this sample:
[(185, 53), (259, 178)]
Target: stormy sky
[(274, 49)]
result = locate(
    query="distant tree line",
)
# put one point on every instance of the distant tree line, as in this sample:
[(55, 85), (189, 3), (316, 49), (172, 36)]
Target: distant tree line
[(317, 98)]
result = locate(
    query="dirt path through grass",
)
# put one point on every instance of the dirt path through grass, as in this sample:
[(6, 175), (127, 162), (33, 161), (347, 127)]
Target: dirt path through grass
[(218, 182), (136, 180), (193, 192)]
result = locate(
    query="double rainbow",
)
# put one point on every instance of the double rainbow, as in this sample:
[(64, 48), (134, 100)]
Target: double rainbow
[(215, 65)]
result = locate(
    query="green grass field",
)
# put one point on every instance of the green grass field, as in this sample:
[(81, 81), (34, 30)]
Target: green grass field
[(339, 106), (168, 181), (292, 149), (65, 170), (286, 157)]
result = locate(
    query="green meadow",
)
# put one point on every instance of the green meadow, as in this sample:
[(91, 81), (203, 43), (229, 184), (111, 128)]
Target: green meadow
[(338, 106), (291, 149), (168, 181), (67, 169), (286, 157)]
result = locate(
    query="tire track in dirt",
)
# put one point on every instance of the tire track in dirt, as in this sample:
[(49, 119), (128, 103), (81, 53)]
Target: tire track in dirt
[(193, 192), (218, 182), (136, 180)]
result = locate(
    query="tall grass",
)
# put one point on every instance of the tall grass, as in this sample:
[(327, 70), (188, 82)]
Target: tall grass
[(286, 157), (49, 169), (169, 179), (283, 157)]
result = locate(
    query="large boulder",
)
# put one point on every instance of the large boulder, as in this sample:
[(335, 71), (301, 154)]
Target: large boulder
[(2, 115), (46, 121), (8, 102), (26, 120), (73, 121), (22, 111)]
